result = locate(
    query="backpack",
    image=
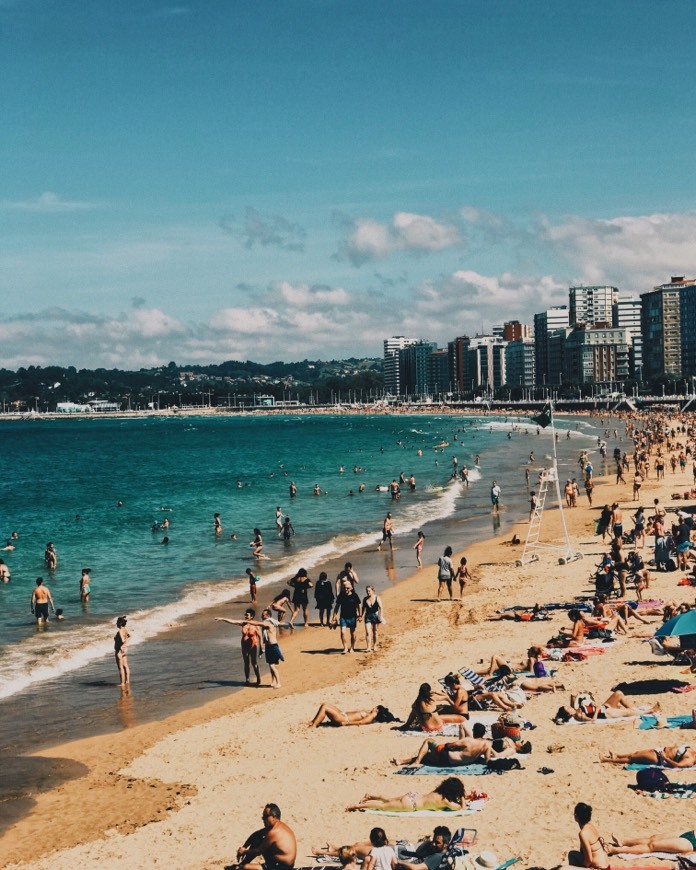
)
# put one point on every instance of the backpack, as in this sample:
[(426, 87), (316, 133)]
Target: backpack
[(651, 779)]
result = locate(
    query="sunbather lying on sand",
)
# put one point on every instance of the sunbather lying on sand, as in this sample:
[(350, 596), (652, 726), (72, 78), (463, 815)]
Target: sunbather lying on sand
[(338, 718), (449, 795), (471, 748), (667, 756), (677, 844), (533, 655), (584, 710)]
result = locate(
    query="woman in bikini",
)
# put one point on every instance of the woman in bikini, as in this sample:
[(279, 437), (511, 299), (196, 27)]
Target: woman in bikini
[(449, 795), (592, 848), (373, 616), (462, 575), (676, 844), (424, 715), (667, 756), (353, 717), (458, 696), (615, 707), (252, 643), (121, 650)]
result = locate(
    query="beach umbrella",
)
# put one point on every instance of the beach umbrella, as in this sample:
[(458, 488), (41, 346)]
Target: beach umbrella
[(682, 623)]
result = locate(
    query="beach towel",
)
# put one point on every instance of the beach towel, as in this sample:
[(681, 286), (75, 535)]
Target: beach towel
[(460, 769), (686, 790), (636, 766), (451, 729), (648, 722), (473, 807), (605, 721), (665, 856), (427, 770)]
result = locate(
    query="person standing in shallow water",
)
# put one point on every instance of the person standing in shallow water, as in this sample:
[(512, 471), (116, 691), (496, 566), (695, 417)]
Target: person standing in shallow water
[(252, 643), (121, 639), (84, 585)]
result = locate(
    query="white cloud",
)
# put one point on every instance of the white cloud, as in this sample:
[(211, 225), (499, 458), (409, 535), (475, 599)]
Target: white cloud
[(47, 203), (632, 252), (367, 239)]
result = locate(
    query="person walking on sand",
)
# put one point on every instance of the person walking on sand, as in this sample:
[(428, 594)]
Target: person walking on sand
[(445, 573), (387, 532), (252, 643), (348, 573), (418, 547), (347, 613), (374, 616), (495, 496), (121, 650), (41, 598), (85, 585), (462, 575), (301, 584)]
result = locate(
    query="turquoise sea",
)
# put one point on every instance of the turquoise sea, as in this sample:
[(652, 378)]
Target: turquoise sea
[(62, 480)]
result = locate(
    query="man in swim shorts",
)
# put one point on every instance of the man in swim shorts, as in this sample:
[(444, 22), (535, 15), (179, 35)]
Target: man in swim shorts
[(275, 842), (41, 598)]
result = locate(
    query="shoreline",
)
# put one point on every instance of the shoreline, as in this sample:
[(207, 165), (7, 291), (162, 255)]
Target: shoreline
[(142, 746)]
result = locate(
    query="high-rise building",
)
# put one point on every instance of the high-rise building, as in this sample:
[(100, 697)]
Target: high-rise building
[(626, 315), (592, 304), (392, 375), (513, 329), (456, 352), (413, 368), (545, 323), (485, 363), (596, 355), (439, 380), (687, 314), (519, 363), (661, 325)]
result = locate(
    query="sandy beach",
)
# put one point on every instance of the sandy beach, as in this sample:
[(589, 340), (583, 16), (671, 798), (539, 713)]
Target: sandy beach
[(187, 791)]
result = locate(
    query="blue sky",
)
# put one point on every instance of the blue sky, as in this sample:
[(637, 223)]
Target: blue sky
[(247, 179)]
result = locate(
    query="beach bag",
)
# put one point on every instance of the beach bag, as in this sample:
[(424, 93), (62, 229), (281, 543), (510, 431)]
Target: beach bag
[(651, 779), (670, 564), (501, 764)]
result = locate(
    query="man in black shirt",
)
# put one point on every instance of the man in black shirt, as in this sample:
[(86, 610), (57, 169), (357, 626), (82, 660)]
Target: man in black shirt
[(348, 606)]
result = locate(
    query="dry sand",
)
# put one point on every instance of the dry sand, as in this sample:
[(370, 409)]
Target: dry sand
[(185, 792)]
